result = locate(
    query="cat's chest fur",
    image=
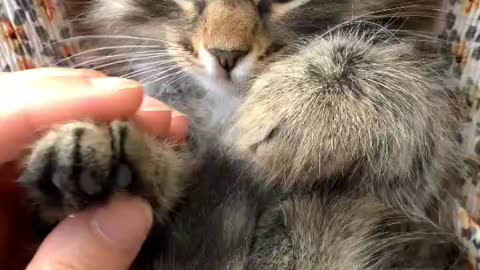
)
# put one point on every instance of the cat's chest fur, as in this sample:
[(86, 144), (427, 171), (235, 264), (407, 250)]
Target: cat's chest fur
[(214, 225)]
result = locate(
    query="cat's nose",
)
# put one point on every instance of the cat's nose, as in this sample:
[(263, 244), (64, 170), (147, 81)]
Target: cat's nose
[(228, 59)]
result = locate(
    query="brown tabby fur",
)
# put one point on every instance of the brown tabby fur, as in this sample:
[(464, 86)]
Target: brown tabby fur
[(330, 145)]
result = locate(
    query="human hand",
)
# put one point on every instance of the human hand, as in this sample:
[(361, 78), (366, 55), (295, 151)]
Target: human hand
[(31, 102)]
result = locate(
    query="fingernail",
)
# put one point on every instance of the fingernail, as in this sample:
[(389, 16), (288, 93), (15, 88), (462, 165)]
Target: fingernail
[(178, 114), (91, 73), (154, 108), (114, 83), (151, 104), (124, 222)]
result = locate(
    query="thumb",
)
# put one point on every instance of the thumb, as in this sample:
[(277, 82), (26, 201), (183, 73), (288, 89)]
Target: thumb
[(106, 238)]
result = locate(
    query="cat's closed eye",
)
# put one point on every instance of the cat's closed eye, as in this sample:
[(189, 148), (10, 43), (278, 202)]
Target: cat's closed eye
[(281, 1)]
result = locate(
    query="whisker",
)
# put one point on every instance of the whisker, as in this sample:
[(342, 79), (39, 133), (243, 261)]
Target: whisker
[(147, 69), (179, 66), (389, 23), (410, 5), (112, 37), (163, 71), (126, 61), (107, 48), (162, 78), (168, 83), (136, 54), (174, 77), (405, 15)]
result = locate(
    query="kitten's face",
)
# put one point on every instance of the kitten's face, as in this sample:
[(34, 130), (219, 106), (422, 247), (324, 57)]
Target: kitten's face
[(222, 43)]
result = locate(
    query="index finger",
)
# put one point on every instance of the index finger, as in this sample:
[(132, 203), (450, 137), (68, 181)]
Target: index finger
[(41, 102)]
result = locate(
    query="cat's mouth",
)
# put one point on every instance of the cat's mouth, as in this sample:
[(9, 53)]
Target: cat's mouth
[(228, 66), (223, 70)]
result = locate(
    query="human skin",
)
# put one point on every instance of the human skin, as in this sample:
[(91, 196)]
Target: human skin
[(33, 101)]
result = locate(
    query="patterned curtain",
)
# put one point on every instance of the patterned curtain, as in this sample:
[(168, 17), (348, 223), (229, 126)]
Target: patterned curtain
[(33, 33), (460, 37)]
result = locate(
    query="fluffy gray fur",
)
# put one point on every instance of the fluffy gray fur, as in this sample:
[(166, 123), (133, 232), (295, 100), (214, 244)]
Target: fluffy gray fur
[(337, 151)]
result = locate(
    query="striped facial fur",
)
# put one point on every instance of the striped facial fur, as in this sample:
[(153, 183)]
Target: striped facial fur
[(222, 43)]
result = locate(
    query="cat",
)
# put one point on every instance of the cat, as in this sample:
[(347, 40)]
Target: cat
[(322, 134)]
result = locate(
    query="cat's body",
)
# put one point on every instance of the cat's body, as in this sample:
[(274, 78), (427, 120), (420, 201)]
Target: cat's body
[(338, 154)]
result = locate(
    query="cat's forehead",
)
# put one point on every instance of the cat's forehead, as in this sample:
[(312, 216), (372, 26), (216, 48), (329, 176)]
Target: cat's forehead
[(120, 7), (231, 23), (314, 9)]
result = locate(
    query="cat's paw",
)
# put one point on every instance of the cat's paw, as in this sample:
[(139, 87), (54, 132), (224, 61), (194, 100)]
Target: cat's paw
[(341, 104), (81, 164)]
